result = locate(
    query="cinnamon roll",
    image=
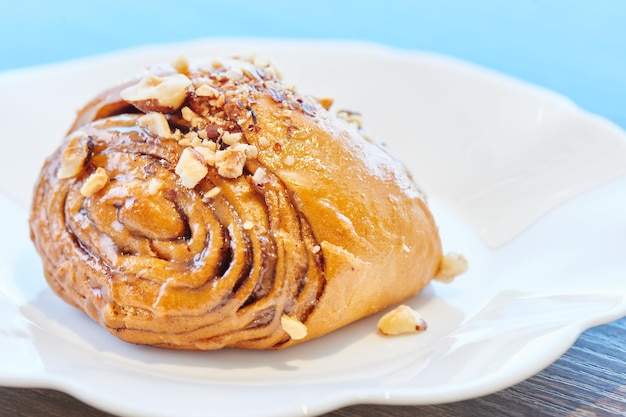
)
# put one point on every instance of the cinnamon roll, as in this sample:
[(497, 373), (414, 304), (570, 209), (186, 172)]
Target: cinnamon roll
[(207, 205)]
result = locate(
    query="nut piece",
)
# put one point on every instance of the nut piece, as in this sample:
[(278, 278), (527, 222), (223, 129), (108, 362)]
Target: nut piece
[(293, 327), (401, 320), (260, 176), (452, 265), (289, 160), (230, 162), (95, 182), (157, 124), (191, 168), (163, 94), (74, 156), (264, 142), (212, 193), (207, 153), (325, 102), (206, 90), (231, 138), (181, 64)]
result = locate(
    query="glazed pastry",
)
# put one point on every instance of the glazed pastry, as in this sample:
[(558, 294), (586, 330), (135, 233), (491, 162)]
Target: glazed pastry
[(207, 205)]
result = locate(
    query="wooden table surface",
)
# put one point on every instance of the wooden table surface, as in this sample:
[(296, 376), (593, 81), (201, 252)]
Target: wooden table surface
[(589, 380)]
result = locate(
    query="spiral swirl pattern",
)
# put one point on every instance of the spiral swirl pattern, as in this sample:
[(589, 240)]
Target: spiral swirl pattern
[(160, 263)]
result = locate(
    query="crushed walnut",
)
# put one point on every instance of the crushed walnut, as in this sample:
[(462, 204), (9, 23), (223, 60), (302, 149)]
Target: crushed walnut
[(209, 113), (401, 320), (289, 160), (158, 93), (96, 182), (325, 102), (212, 193), (156, 123), (208, 154), (230, 162), (231, 138), (191, 168), (74, 156), (260, 176), (293, 327), (263, 142), (206, 90), (452, 265)]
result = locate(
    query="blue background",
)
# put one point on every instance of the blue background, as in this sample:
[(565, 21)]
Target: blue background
[(577, 48)]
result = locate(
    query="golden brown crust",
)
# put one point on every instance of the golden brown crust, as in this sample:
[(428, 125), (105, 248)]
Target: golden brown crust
[(204, 224)]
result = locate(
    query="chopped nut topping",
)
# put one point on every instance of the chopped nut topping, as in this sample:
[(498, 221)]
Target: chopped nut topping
[(156, 123), (451, 266), (74, 156), (326, 102), (212, 193), (230, 162), (185, 141), (316, 249), (181, 64), (234, 74), (191, 168), (293, 327), (219, 102), (211, 112), (203, 134), (268, 67), (208, 144), (231, 138), (190, 138), (260, 176), (248, 225), (188, 114), (213, 132), (177, 135), (192, 117), (289, 160), (206, 90), (401, 320), (252, 152), (207, 153), (95, 182), (169, 92), (264, 142), (250, 75), (196, 142)]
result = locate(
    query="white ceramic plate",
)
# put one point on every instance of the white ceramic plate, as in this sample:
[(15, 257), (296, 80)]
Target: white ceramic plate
[(529, 188)]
